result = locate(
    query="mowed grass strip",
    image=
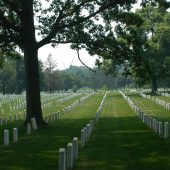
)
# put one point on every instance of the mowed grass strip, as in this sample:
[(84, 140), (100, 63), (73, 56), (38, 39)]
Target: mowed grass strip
[(122, 142), (148, 106), (40, 150)]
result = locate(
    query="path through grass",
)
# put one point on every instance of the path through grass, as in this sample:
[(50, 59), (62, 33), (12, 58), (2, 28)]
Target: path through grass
[(122, 142)]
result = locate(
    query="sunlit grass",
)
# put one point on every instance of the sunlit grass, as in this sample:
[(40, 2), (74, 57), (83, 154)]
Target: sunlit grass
[(150, 107), (122, 142), (39, 151)]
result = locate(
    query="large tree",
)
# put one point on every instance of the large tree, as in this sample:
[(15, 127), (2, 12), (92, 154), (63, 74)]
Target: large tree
[(60, 21), (152, 59), (139, 43)]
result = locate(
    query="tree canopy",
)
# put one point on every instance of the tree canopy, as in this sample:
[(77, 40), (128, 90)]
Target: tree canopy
[(31, 24)]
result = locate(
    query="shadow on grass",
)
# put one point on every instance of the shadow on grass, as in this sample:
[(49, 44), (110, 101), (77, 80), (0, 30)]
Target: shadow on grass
[(121, 143), (40, 150), (124, 144)]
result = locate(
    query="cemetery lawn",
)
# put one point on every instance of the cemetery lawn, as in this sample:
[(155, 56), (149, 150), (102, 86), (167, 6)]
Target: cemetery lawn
[(151, 108), (122, 142), (39, 151)]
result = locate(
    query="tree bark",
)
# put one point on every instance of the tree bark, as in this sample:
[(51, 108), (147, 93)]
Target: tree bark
[(153, 85), (33, 101)]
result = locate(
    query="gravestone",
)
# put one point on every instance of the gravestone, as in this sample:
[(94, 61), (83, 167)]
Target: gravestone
[(34, 124), (69, 155), (166, 130), (62, 159), (75, 148), (6, 137), (15, 134)]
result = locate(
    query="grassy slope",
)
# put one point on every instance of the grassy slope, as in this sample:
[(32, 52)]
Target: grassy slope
[(40, 150), (122, 142)]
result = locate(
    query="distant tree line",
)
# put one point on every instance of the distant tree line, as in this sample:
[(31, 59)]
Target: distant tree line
[(12, 77)]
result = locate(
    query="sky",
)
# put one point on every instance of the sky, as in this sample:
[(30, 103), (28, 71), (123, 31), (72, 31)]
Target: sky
[(64, 56)]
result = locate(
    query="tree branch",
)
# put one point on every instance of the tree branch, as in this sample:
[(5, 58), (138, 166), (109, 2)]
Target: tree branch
[(64, 42), (56, 28), (78, 54)]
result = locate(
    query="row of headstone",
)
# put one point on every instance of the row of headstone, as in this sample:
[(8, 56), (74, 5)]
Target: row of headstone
[(82, 99), (46, 105), (12, 118), (162, 128), (17, 107), (87, 130), (68, 156), (100, 108), (68, 97), (66, 159), (164, 94), (6, 136), (46, 97), (158, 101), (52, 117), (15, 132), (67, 109)]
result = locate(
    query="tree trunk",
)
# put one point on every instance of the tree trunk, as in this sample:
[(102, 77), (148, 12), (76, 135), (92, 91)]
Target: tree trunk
[(33, 102), (153, 86), (33, 107)]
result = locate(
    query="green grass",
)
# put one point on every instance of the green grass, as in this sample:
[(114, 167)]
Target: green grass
[(19, 122), (40, 150), (148, 106), (53, 108), (164, 98), (122, 142)]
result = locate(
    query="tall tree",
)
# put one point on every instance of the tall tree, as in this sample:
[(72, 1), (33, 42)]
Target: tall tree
[(57, 23), (151, 64), (50, 77)]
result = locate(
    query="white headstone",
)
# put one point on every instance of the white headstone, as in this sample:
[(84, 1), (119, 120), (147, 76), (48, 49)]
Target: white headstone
[(62, 159), (85, 134), (92, 124), (166, 130), (88, 131), (15, 134), (75, 148), (34, 124), (82, 137), (160, 129), (6, 137), (69, 155)]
